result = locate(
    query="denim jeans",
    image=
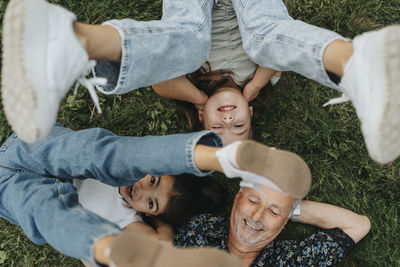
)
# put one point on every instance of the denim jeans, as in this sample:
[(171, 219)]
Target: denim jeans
[(271, 38), (180, 43), (35, 193), (155, 51)]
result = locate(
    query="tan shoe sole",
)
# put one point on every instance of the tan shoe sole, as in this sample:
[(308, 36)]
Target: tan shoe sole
[(135, 249), (286, 169)]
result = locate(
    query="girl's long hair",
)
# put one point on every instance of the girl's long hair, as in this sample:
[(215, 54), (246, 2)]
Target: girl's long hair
[(192, 195)]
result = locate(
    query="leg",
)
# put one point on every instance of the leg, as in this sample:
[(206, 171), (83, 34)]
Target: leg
[(100, 154), (273, 39), (48, 212), (368, 66), (166, 49)]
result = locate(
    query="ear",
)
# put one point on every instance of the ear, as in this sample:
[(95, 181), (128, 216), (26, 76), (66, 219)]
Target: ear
[(251, 111), (201, 117)]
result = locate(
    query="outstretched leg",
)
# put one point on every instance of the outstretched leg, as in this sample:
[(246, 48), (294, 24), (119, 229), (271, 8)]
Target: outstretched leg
[(364, 69), (102, 155), (45, 51)]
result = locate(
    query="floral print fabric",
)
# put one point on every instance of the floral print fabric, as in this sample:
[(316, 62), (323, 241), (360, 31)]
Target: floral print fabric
[(323, 248)]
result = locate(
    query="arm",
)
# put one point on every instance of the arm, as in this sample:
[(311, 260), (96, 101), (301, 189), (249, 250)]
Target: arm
[(328, 216), (260, 79), (181, 89)]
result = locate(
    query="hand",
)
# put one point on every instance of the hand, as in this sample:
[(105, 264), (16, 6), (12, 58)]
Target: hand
[(251, 91), (203, 100)]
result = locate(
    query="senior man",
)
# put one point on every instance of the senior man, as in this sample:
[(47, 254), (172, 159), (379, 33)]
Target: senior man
[(258, 216)]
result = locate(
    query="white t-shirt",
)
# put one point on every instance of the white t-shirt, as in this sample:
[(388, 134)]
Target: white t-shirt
[(227, 52), (105, 201)]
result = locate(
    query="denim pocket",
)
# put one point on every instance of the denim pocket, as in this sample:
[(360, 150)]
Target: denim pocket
[(8, 142)]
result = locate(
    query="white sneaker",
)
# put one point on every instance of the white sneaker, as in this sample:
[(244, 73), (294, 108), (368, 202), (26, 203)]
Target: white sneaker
[(371, 81), (42, 58)]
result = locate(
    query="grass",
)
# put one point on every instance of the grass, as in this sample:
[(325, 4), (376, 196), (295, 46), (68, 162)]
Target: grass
[(329, 138)]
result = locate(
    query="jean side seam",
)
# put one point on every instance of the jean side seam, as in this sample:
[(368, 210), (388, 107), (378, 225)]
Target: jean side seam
[(92, 242), (8, 142)]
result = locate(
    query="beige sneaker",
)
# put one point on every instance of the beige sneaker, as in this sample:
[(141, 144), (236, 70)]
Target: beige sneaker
[(135, 249), (285, 169)]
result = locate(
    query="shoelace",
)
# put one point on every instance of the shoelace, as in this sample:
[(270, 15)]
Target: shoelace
[(343, 98), (90, 83)]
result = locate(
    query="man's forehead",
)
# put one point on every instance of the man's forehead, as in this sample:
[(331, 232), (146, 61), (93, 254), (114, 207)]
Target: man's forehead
[(269, 195)]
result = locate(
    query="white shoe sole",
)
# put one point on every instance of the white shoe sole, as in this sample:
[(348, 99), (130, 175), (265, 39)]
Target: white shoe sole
[(18, 93), (388, 147)]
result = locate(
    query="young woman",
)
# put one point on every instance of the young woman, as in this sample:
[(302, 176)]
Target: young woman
[(170, 198)]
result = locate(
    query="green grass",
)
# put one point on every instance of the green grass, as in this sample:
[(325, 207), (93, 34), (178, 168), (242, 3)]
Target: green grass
[(329, 138)]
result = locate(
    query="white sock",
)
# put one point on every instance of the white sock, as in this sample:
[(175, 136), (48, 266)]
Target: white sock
[(227, 159)]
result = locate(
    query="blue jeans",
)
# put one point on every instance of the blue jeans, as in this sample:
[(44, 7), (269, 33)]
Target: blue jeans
[(155, 51), (35, 193), (180, 42)]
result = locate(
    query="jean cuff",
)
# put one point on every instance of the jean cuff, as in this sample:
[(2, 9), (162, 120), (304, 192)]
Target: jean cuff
[(207, 138), (118, 76), (325, 79)]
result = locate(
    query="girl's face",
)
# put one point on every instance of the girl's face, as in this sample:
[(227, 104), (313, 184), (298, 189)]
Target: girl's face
[(228, 113), (150, 194)]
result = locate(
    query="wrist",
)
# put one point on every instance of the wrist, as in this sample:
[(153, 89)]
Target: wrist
[(295, 213)]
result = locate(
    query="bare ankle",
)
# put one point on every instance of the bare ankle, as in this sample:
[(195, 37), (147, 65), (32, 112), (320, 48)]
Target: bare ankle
[(336, 56), (79, 29)]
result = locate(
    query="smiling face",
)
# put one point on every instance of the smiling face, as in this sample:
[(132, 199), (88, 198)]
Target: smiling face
[(228, 113), (256, 218), (150, 194)]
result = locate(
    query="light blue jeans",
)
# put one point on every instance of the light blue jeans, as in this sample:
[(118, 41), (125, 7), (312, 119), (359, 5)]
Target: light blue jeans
[(35, 193), (180, 43)]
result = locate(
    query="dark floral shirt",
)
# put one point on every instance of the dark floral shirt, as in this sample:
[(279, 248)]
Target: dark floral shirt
[(323, 248)]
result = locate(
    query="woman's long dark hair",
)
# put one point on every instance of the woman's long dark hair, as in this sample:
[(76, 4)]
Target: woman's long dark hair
[(192, 195), (209, 81)]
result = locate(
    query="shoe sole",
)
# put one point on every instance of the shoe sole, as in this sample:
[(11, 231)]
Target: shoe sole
[(389, 128), (18, 94), (135, 249), (286, 169)]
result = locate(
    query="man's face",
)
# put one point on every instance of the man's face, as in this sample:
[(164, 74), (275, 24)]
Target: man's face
[(256, 218)]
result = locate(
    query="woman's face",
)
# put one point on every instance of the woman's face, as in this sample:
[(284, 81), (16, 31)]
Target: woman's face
[(228, 113), (150, 194)]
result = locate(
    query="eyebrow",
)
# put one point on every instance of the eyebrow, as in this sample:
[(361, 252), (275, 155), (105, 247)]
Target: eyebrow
[(254, 196)]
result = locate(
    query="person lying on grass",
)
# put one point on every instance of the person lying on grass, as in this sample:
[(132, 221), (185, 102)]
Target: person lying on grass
[(133, 54), (251, 40), (257, 218), (153, 205), (36, 193)]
